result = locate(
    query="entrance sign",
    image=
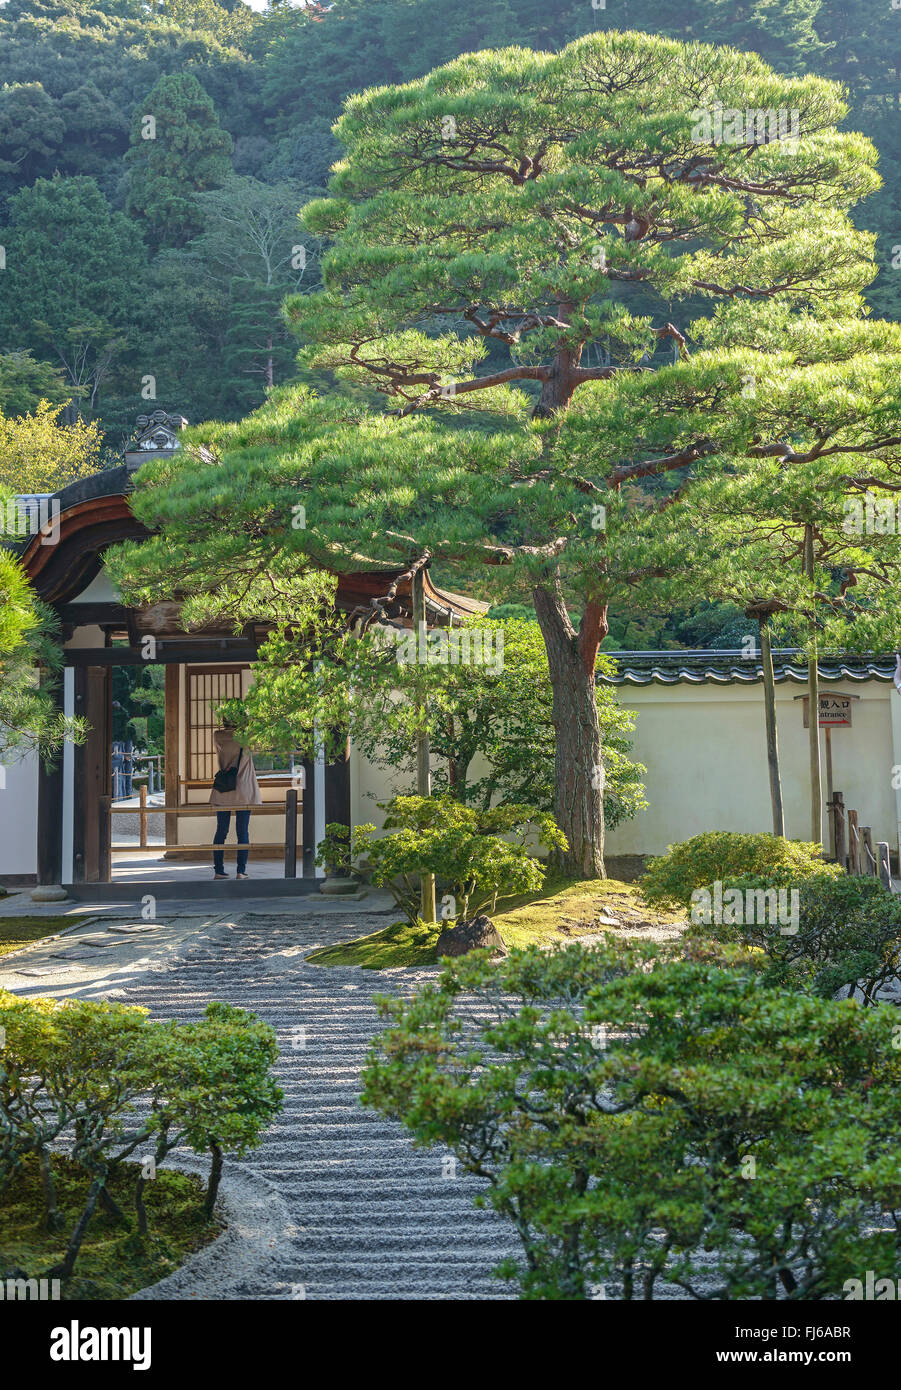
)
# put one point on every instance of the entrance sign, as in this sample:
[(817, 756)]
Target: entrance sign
[(834, 711)]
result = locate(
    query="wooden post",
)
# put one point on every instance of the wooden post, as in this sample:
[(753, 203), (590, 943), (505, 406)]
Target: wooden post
[(291, 833), (830, 827), (853, 844), (423, 767), (769, 710), (50, 804), (142, 797), (308, 821), (868, 865), (104, 822), (813, 691), (838, 820), (884, 864), (171, 779)]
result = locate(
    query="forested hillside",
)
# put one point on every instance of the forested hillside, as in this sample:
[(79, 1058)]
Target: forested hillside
[(153, 157), (145, 263)]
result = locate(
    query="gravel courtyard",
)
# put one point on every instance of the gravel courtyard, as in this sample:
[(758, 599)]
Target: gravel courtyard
[(369, 1217)]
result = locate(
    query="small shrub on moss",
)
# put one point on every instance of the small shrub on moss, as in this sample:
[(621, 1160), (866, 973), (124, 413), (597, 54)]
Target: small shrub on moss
[(848, 936), (478, 857), (721, 855), (105, 1080)]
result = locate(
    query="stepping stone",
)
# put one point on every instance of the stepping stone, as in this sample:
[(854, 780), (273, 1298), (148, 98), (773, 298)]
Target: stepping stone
[(45, 970), (72, 955), (96, 941), (131, 930)]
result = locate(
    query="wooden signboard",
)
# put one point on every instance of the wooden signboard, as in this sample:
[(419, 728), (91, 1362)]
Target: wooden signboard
[(834, 712)]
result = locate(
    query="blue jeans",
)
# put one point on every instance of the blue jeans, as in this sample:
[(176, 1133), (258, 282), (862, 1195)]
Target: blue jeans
[(242, 827)]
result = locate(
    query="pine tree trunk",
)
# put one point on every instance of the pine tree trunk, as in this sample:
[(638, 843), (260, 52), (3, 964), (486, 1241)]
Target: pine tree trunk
[(578, 765), (559, 386), (769, 709)]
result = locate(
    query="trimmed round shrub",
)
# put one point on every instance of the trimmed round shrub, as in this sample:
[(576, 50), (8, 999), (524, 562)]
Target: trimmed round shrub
[(724, 855)]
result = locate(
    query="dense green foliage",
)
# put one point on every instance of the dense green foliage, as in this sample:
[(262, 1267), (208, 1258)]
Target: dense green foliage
[(642, 1120), (721, 855), (477, 857), (847, 935), (505, 258), (177, 151), (76, 76), (109, 1082), (30, 670)]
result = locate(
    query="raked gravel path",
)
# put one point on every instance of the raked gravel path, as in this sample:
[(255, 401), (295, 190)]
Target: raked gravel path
[(369, 1217)]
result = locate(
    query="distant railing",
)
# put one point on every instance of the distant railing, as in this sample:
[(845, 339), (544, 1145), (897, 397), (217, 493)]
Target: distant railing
[(287, 808), (124, 773), (853, 844)]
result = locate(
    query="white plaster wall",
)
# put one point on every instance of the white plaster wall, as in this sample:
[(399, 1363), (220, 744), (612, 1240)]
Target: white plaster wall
[(19, 816), (100, 590), (705, 752), (370, 784)]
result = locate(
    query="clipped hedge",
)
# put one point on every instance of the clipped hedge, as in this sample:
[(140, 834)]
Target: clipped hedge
[(723, 855), (102, 1080)]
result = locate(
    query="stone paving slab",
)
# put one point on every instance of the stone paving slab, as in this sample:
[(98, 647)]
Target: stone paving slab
[(302, 906)]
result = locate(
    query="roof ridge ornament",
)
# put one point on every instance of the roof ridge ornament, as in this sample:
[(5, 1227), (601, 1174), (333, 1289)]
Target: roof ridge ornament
[(156, 436)]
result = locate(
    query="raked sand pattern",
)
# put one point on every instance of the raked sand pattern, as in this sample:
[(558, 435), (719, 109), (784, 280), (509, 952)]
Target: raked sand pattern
[(358, 1213)]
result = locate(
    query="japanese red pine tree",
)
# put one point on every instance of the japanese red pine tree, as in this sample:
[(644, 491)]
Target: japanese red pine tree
[(558, 269)]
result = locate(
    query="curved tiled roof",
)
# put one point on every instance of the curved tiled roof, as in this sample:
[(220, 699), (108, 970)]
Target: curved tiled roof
[(721, 667)]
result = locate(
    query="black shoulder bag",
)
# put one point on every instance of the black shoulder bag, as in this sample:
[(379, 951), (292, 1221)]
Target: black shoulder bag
[(226, 778)]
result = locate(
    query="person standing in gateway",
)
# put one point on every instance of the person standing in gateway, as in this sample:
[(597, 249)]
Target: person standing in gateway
[(235, 785)]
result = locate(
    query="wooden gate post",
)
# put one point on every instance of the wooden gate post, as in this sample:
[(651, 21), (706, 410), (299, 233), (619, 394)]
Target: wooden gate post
[(291, 833), (104, 829), (838, 816), (853, 844), (868, 859)]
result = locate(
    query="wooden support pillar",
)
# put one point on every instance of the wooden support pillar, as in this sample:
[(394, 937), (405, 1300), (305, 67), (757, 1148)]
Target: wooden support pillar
[(831, 846), (838, 821), (291, 833), (884, 864), (867, 857), (50, 811), (171, 745), (308, 821), (92, 766), (423, 750), (104, 835), (337, 789)]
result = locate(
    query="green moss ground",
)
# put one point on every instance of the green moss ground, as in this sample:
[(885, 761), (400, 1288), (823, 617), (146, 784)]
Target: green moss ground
[(561, 911), (113, 1262), (16, 932)]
